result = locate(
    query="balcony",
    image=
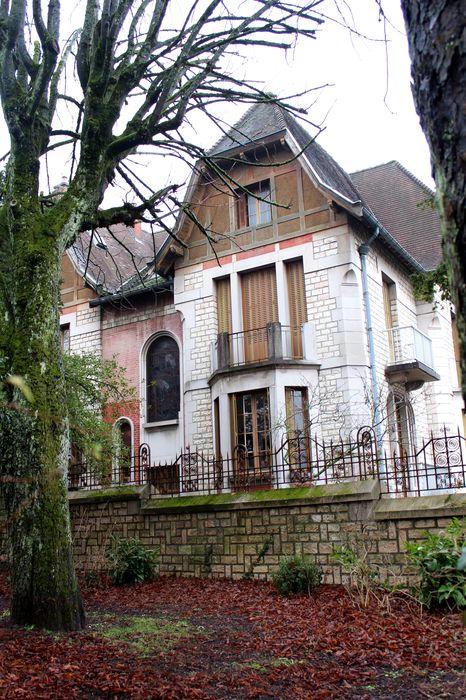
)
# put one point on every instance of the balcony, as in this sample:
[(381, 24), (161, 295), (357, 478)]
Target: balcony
[(274, 343), (410, 359)]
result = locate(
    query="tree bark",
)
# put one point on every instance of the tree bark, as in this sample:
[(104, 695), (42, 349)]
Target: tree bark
[(437, 44), (33, 429)]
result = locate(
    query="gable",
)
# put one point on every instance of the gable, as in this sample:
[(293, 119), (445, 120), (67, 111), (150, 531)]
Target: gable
[(73, 287), (299, 207)]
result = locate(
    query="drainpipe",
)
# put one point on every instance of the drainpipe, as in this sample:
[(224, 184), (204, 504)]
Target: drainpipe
[(363, 251)]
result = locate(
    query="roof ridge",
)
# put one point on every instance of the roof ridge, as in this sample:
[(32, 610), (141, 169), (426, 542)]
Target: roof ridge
[(399, 165), (238, 134), (373, 167), (414, 178)]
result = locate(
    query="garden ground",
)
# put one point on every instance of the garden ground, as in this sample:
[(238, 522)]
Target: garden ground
[(191, 638)]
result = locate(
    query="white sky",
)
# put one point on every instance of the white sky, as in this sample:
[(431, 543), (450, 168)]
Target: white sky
[(361, 128), (367, 110)]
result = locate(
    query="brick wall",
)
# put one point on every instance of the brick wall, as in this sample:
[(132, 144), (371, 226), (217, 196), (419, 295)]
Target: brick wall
[(223, 539)]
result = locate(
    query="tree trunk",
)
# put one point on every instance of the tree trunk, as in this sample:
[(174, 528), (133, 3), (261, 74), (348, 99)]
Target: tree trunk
[(33, 429), (438, 53)]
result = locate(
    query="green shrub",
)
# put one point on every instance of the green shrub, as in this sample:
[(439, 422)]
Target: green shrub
[(296, 574), (436, 559), (130, 561)]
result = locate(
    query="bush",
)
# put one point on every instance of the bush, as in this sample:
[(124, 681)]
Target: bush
[(296, 574), (130, 561), (443, 583), (362, 576)]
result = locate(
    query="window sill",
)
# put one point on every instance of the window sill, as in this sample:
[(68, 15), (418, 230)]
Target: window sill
[(161, 424)]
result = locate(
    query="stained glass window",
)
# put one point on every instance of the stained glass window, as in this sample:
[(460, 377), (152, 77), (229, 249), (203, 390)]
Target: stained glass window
[(163, 380)]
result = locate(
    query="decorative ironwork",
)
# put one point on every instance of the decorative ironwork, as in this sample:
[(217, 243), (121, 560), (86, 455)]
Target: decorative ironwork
[(190, 464), (299, 461)]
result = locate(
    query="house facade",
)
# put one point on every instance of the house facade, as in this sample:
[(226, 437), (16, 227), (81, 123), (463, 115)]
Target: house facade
[(283, 307)]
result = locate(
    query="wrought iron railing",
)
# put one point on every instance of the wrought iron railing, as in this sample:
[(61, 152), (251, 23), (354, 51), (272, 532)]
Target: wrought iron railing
[(272, 342), (439, 465), (130, 471), (299, 461), (407, 344)]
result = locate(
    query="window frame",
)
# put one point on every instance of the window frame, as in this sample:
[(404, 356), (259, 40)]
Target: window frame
[(149, 421), (253, 206), (65, 338)]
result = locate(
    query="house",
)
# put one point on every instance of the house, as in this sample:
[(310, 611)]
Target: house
[(294, 316)]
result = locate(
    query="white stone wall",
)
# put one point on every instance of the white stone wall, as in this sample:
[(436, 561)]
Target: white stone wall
[(336, 317), (85, 332)]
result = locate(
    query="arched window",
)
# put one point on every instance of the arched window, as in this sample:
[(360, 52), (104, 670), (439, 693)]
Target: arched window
[(123, 450), (163, 380), (401, 424)]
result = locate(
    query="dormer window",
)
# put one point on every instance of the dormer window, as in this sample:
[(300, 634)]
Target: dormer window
[(253, 207)]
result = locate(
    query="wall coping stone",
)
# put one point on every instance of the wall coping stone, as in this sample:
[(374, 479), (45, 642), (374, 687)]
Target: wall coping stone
[(352, 491), (447, 505), (116, 493)]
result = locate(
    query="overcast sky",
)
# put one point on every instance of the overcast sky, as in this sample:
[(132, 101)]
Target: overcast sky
[(366, 112)]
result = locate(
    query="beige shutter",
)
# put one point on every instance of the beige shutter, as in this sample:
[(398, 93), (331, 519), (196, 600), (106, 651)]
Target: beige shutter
[(297, 304), (224, 305), (241, 210), (387, 308), (260, 307)]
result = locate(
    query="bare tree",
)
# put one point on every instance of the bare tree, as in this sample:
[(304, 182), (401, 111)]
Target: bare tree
[(143, 68), (436, 33)]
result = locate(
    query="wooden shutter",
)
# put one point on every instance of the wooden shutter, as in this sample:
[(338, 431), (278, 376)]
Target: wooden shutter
[(224, 305), (297, 304), (260, 307), (387, 308), (241, 210)]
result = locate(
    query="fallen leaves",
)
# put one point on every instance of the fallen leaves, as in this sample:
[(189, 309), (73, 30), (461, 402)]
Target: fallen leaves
[(196, 639)]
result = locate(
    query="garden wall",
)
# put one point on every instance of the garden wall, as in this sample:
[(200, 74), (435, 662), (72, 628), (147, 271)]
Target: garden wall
[(223, 536)]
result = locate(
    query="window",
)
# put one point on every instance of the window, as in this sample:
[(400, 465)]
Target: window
[(297, 425), (65, 338), (123, 448), (252, 438), (389, 305), (402, 436), (251, 209), (163, 380), (296, 304)]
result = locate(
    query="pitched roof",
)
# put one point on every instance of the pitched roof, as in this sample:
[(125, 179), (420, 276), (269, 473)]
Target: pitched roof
[(403, 204), (115, 259), (265, 120)]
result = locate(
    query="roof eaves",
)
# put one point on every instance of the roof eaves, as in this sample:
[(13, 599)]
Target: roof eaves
[(300, 153), (166, 285), (85, 274)]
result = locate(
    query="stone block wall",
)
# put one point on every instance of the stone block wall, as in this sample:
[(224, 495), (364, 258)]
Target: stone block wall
[(222, 536)]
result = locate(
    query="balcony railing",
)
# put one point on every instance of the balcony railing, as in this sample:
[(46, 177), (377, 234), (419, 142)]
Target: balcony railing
[(273, 342), (408, 344)]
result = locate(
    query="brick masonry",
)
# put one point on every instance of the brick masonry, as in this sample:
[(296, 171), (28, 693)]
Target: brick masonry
[(224, 541)]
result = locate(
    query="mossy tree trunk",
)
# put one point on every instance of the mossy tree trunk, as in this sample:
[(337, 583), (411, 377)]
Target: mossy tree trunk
[(33, 429), (125, 49), (438, 53)]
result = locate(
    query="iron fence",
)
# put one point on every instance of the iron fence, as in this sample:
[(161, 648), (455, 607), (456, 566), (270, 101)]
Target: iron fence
[(439, 465), (130, 471)]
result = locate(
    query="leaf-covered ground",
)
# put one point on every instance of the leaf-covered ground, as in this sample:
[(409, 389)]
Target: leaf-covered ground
[(190, 638)]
